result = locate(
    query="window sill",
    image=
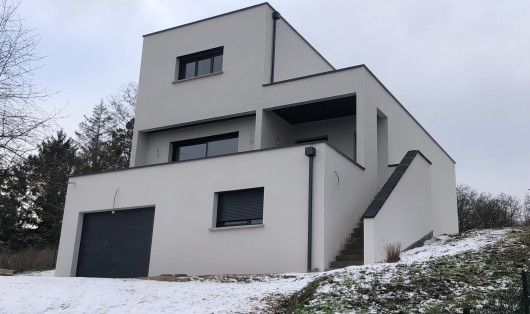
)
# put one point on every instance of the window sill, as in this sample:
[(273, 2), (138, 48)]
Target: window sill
[(236, 227), (197, 77)]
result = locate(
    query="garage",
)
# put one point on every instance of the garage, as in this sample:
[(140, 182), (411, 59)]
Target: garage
[(116, 244)]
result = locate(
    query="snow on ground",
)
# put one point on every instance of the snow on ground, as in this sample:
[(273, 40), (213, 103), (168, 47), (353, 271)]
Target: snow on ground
[(444, 245), (41, 292)]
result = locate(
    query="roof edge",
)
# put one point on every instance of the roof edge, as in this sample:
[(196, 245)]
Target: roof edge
[(210, 18)]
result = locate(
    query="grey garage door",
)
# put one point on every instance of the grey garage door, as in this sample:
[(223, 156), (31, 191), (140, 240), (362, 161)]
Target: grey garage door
[(116, 245)]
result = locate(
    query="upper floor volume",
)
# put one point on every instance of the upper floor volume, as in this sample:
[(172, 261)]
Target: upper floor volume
[(217, 67)]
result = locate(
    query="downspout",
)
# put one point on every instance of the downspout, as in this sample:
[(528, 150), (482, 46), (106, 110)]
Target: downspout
[(311, 153), (275, 17)]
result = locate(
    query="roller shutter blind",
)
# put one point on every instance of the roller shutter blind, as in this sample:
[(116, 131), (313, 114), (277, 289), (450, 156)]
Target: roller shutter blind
[(241, 207)]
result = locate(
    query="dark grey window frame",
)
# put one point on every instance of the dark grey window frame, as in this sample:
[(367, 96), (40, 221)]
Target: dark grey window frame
[(175, 146), (312, 139), (195, 58), (253, 217)]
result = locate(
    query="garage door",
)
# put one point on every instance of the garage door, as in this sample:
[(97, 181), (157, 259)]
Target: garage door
[(116, 245)]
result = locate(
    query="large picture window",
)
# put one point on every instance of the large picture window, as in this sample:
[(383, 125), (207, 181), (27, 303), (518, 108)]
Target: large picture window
[(205, 147), (240, 207), (200, 63)]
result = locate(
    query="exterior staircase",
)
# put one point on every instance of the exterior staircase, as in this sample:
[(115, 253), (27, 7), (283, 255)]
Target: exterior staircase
[(352, 252)]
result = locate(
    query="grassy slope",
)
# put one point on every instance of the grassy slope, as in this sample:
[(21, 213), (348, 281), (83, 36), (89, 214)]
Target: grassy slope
[(474, 279)]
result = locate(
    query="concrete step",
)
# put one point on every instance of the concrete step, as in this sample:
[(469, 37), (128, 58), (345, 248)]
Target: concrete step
[(353, 245), (349, 257), (355, 240), (342, 264), (352, 252)]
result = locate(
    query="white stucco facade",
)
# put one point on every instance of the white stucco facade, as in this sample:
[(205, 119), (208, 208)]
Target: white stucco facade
[(359, 128)]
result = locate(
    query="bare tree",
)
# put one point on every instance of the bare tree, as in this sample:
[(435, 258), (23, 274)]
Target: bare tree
[(123, 104), (122, 108), (22, 121), (484, 211), (526, 207)]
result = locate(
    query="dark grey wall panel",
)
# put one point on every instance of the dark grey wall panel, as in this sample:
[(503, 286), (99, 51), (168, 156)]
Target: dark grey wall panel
[(116, 245)]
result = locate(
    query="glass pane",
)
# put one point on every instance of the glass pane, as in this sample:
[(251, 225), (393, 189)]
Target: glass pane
[(190, 70), (217, 63), (204, 66), (192, 151), (222, 147)]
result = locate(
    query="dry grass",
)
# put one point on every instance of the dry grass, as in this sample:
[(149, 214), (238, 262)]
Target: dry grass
[(28, 259), (393, 251), (226, 278)]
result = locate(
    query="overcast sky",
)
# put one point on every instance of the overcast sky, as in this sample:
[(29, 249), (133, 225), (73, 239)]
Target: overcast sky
[(462, 68)]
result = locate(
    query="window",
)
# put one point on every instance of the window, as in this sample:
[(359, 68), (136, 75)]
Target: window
[(200, 63), (241, 207), (205, 147)]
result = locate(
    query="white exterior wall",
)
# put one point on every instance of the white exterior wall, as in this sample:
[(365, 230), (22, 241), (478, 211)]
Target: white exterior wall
[(346, 198), (158, 144), (184, 212), (406, 215), (162, 103), (294, 58), (405, 134)]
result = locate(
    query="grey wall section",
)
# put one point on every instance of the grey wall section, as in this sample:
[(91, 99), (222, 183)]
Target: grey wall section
[(116, 244)]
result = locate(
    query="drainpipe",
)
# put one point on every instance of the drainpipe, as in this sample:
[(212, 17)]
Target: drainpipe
[(311, 153), (275, 17)]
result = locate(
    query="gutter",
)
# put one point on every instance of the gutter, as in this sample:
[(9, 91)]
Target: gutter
[(311, 153), (275, 17)]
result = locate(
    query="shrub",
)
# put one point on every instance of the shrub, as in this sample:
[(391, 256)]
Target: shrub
[(393, 251), (28, 259), (485, 211)]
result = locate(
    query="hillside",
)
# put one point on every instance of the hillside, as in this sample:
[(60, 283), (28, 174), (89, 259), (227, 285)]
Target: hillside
[(478, 270), (449, 272)]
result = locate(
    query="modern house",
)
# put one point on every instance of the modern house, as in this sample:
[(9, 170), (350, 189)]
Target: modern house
[(253, 154)]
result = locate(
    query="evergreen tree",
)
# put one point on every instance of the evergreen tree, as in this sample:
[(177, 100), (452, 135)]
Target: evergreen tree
[(47, 175), (14, 212)]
